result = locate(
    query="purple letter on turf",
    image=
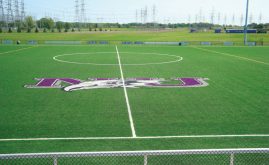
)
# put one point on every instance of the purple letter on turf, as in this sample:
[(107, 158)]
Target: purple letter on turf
[(53, 82), (183, 83)]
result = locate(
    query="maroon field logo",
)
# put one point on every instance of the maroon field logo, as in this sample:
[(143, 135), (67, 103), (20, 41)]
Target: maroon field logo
[(71, 84)]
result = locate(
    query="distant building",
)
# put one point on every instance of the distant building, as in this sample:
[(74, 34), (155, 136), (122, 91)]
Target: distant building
[(217, 30), (241, 31)]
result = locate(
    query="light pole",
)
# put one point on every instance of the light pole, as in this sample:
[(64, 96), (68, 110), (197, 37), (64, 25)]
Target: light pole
[(246, 25)]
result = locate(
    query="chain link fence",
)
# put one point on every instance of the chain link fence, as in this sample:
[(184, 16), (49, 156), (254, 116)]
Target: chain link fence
[(175, 157)]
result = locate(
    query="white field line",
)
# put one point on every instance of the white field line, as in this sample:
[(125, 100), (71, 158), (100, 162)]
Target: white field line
[(17, 50), (126, 96), (231, 55), (137, 137)]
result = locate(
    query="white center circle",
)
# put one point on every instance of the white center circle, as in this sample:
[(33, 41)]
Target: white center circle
[(177, 59)]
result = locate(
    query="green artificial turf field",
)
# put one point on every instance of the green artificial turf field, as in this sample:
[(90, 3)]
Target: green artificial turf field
[(230, 112)]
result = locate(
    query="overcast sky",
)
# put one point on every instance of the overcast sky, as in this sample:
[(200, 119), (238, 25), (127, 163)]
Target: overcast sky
[(123, 11)]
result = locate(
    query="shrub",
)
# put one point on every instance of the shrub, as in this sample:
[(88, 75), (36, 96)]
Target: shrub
[(73, 30), (1, 30), (44, 30), (36, 30), (29, 30)]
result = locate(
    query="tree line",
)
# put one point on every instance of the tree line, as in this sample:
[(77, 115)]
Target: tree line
[(49, 25)]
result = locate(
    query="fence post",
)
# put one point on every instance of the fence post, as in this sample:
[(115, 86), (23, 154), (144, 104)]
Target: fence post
[(55, 161), (232, 159), (145, 159)]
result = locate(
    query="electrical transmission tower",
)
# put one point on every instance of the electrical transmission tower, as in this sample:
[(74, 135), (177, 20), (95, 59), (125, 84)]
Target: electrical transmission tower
[(82, 11), (22, 10), (260, 18), (233, 19), (212, 16), (219, 17), (17, 11), (146, 14), (142, 15), (241, 19), (136, 16), (154, 14), (251, 18), (2, 11), (9, 12), (76, 11)]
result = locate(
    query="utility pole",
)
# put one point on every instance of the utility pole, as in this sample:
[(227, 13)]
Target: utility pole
[(246, 25)]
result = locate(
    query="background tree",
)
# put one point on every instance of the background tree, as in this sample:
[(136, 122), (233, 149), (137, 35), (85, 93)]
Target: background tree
[(30, 23), (67, 26), (59, 26), (47, 23)]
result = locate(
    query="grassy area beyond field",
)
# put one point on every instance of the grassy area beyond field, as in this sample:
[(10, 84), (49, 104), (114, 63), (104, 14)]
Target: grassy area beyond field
[(179, 35)]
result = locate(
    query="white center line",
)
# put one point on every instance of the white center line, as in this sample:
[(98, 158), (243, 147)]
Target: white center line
[(126, 96)]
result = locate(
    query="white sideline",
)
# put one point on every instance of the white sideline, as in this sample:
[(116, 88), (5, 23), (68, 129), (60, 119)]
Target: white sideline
[(126, 95), (18, 50), (231, 55), (134, 138), (142, 152)]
